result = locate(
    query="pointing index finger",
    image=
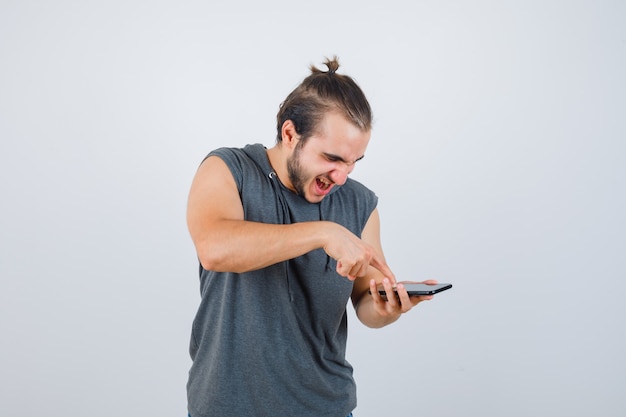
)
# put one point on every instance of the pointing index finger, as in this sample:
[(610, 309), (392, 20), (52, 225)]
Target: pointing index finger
[(380, 264)]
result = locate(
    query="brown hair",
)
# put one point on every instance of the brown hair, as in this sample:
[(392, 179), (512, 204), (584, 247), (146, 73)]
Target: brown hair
[(319, 93)]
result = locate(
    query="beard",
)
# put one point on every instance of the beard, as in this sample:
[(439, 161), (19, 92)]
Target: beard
[(295, 171)]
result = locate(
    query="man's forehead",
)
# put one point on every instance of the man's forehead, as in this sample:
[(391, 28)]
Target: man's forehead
[(346, 147), (338, 148)]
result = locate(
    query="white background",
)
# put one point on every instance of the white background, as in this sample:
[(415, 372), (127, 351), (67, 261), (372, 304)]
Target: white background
[(498, 155)]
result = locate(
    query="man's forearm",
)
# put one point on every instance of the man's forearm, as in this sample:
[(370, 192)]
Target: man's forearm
[(241, 246)]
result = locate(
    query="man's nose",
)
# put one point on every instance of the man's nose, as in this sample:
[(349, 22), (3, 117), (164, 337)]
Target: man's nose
[(340, 174)]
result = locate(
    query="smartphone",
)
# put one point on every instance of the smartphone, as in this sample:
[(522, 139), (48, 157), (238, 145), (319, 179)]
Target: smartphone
[(421, 289)]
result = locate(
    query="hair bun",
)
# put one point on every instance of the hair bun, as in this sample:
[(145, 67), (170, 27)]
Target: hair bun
[(332, 65)]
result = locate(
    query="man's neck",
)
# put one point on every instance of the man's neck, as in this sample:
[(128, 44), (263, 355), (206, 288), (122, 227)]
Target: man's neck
[(278, 160)]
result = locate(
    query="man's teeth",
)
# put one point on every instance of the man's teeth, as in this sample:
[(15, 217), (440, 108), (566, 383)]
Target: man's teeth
[(323, 183)]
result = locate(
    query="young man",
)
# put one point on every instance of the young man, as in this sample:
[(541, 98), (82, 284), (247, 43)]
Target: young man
[(284, 238)]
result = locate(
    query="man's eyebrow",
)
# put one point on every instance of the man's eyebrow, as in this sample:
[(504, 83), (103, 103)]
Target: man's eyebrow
[(339, 158)]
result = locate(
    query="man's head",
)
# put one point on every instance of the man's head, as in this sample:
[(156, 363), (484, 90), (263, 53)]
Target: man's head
[(320, 93), (323, 128)]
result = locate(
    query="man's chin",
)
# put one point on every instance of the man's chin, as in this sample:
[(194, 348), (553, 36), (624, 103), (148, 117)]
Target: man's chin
[(313, 199)]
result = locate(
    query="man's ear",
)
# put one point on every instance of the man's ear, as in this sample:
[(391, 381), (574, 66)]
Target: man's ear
[(289, 135)]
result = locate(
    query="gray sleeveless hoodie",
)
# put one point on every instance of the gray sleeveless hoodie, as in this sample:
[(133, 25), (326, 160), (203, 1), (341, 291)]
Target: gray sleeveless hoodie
[(272, 342)]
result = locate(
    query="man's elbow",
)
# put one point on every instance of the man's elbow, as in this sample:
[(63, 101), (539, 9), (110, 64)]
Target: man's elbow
[(210, 257), (215, 260)]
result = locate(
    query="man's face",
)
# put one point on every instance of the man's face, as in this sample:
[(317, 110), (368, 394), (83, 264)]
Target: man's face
[(326, 158)]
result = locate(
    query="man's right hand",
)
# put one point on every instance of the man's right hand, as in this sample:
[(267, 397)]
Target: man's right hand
[(353, 255)]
